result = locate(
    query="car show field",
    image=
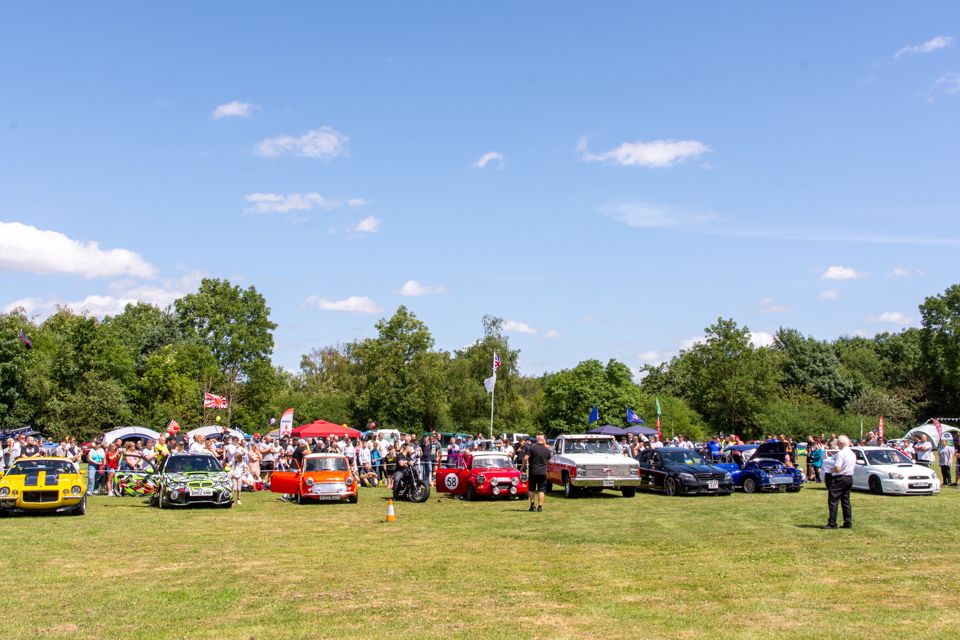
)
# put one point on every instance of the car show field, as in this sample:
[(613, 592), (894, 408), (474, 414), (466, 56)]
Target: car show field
[(599, 566)]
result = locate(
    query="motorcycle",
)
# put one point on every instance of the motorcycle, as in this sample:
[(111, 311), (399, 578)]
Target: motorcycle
[(411, 486)]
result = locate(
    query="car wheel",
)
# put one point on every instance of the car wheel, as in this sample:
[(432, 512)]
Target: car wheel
[(300, 498), (353, 499), (523, 496), (629, 492), (749, 485), (569, 491), (471, 493), (80, 509), (794, 489), (548, 487), (876, 487), (670, 487)]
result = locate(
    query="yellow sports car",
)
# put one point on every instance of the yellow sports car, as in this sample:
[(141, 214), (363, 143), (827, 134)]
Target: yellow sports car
[(43, 484)]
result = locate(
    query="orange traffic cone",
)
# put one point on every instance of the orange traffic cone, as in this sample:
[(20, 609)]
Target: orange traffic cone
[(391, 516)]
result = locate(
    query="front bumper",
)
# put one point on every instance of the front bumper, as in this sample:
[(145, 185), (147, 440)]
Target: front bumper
[(501, 490), (701, 487), (606, 483), (182, 497), (66, 503), (904, 488)]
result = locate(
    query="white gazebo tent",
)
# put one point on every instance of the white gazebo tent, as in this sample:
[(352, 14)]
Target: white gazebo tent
[(214, 431), (930, 429), (130, 433)]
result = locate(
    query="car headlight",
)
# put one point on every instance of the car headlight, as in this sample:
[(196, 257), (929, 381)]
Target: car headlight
[(728, 478), (895, 476), (515, 481), (75, 490), (480, 479), (349, 481), (494, 481), (523, 477), (687, 477), (309, 482), (581, 471), (4, 491)]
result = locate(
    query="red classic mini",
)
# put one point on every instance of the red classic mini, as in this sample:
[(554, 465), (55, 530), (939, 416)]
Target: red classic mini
[(484, 473)]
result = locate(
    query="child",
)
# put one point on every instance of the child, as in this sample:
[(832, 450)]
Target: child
[(237, 471)]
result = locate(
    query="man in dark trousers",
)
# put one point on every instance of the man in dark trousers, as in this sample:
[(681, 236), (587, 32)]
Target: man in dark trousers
[(535, 460), (840, 484)]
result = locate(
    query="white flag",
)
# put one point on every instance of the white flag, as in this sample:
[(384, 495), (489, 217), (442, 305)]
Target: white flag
[(489, 383)]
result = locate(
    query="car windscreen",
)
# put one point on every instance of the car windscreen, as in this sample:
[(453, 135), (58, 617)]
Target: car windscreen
[(682, 457), (189, 464), (604, 445), (492, 462), (325, 464), (886, 456), (33, 467)]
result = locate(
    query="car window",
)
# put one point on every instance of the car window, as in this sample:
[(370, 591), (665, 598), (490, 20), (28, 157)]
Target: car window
[(859, 455)]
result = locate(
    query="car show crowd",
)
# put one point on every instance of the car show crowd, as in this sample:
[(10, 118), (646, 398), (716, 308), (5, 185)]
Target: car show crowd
[(374, 459)]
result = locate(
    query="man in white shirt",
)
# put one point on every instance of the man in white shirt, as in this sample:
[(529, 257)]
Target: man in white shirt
[(924, 451), (840, 484)]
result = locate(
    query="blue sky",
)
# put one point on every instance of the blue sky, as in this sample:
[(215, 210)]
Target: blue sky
[(645, 168)]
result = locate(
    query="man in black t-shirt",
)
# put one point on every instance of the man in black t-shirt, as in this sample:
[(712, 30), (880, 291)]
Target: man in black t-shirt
[(31, 449), (536, 458)]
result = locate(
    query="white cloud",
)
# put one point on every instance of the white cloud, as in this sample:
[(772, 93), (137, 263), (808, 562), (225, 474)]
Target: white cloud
[(892, 317), (353, 304), (412, 288), (552, 334), (769, 305), (931, 45), (121, 294), (27, 248), (488, 157), (647, 215), (286, 202), (515, 326), (657, 153), (652, 357), (690, 343), (904, 272), (761, 339), (370, 224), (948, 83), (324, 142), (829, 294), (841, 273), (234, 109)]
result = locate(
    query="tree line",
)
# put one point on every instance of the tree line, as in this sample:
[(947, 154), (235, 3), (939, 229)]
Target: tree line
[(148, 365)]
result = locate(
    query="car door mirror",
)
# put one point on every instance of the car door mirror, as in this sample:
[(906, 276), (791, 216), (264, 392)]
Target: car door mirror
[(862, 463)]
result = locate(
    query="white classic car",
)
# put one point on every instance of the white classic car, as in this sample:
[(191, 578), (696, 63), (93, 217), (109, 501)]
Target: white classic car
[(885, 470), (592, 461)]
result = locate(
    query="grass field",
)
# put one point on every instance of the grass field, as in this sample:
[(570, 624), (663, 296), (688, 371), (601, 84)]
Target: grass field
[(600, 567)]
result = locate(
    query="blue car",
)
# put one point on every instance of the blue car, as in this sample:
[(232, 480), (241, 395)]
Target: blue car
[(764, 470)]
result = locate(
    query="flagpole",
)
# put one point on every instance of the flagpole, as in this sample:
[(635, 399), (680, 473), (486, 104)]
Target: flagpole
[(492, 394)]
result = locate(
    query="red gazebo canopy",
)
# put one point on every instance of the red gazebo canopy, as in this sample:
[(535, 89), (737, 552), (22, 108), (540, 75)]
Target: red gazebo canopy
[(322, 429)]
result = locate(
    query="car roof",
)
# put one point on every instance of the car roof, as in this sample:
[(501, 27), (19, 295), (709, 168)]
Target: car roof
[(670, 449), (324, 455), (481, 454), (588, 436), (44, 458)]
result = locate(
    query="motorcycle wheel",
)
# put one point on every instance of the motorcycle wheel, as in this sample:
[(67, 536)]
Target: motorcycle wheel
[(420, 492)]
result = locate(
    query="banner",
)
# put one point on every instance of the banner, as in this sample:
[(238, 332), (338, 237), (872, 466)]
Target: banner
[(882, 439), (490, 383), (173, 427), (939, 427), (286, 423), (659, 433)]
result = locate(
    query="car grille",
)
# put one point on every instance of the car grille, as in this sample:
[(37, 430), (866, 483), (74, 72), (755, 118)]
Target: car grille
[(330, 487), (603, 471), (40, 496), (919, 478), (201, 484)]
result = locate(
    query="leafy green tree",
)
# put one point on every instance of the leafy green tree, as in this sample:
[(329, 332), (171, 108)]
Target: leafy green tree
[(813, 366), (940, 346), (13, 362), (235, 324), (730, 381)]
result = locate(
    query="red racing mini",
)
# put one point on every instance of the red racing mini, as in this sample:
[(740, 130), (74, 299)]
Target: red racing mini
[(485, 473)]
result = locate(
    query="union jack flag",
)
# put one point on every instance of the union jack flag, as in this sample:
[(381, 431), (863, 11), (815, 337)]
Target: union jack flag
[(496, 362), (211, 401)]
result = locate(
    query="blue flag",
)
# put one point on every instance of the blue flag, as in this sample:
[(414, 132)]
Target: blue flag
[(632, 416), (594, 414)]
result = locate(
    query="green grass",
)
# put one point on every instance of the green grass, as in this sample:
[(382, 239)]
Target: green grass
[(599, 567)]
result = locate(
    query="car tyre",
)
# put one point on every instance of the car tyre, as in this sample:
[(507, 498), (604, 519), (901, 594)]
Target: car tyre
[(670, 487), (876, 487), (80, 509), (569, 491), (471, 493), (749, 485), (353, 499), (300, 498), (629, 492)]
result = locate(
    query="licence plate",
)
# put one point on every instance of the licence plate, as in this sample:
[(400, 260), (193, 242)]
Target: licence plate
[(328, 496), (919, 485), (195, 493), (781, 480), (713, 484), (608, 483)]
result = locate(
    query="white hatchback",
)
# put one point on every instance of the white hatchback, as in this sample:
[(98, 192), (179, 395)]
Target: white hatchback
[(884, 470)]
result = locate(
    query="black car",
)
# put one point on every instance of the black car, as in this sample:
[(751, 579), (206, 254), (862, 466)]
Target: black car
[(677, 471)]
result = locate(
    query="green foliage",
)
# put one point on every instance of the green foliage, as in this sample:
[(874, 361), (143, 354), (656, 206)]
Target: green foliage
[(813, 366), (940, 346)]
